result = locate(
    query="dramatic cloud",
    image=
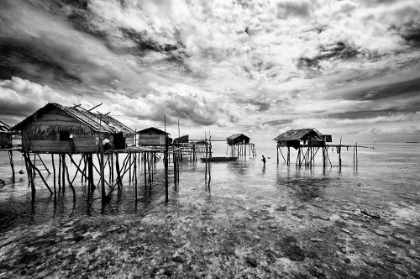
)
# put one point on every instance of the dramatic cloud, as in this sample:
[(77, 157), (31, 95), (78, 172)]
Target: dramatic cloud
[(262, 65)]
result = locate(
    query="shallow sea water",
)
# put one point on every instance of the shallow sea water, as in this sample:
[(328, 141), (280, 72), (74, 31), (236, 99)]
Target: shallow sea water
[(387, 181)]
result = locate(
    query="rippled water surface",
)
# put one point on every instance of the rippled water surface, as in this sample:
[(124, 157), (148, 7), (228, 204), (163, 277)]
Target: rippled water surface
[(386, 180)]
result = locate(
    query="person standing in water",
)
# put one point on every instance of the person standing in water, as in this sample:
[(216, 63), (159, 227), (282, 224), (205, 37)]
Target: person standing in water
[(263, 159)]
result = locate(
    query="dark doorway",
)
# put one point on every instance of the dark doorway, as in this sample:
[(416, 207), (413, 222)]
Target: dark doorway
[(64, 135), (119, 141)]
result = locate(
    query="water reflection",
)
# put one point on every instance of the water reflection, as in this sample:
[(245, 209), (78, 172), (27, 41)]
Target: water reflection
[(378, 181)]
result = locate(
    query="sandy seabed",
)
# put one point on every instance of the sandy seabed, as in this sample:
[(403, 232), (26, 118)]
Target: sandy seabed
[(216, 239)]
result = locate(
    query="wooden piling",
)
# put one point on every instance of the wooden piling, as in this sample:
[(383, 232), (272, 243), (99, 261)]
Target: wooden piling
[(12, 165), (54, 174), (166, 167)]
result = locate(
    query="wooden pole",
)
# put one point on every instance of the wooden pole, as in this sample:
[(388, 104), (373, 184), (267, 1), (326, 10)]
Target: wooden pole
[(63, 173), (45, 166), (68, 180), (40, 174), (12, 165), (135, 175), (144, 166), (166, 166), (117, 165), (59, 173), (30, 176), (339, 154), (90, 177), (102, 166), (129, 170), (54, 174)]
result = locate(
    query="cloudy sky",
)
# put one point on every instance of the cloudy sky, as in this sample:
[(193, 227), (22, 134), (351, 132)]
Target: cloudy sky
[(259, 67)]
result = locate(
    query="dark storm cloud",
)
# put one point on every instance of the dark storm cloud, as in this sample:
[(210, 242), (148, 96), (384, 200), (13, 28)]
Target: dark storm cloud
[(403, 89), (363, 114), (20, 59)]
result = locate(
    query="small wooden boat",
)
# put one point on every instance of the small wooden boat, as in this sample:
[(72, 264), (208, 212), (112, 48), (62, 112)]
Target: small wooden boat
[(219, 159)]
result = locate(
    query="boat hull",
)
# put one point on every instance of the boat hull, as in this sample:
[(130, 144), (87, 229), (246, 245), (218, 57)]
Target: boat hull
[(219, 159)]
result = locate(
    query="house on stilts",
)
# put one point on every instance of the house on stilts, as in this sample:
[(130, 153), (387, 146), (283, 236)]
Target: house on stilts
[(238, 144), (306, 141), (152, 136), (59, 129), (5, 135)]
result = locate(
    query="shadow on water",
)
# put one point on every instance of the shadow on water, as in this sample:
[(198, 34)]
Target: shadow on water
[(305, 183)]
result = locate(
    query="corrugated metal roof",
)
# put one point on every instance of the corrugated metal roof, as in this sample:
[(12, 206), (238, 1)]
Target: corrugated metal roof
[(96, 121), (297, 134), (234, 136), (4, 128)]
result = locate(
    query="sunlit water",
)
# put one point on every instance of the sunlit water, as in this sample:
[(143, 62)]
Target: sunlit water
[(386, 180)]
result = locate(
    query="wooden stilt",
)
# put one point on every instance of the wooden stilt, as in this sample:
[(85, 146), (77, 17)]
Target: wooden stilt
[(12, 165), (166, 168), (59, 173), (40, 174), (102, 166), (45, 166), (135, 176), (357, 161), (90, 177), (54, 174), (68, 179), (63, 173), (30, 176)]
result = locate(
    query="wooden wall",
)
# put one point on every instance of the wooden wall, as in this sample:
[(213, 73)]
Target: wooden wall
[(152, 139), (84, 140), (5, 140)]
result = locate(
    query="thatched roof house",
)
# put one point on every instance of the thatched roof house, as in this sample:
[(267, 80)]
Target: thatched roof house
[(5, 135), (237, 138), (57, 128), (295, 138), (152, 137)]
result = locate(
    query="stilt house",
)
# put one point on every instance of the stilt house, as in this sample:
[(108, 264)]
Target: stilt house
[(237, 138), (152, 137), (182, 139), (60, 129), (302, 137), (5, 135)]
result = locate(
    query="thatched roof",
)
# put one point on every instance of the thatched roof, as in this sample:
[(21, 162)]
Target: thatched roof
[(95, 121), (152, 129), (4, 128), (114, 122), (299, 134), (235, 136)]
